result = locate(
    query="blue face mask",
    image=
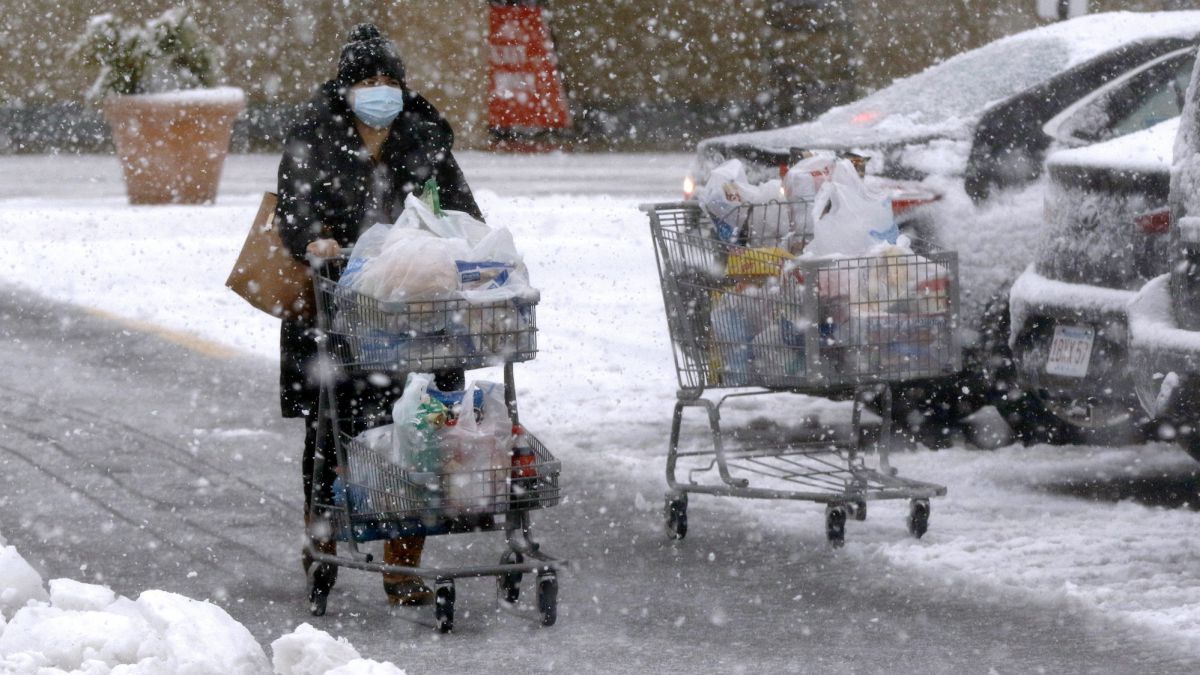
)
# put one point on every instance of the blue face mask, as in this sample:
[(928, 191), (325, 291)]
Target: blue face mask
[(377, 106)]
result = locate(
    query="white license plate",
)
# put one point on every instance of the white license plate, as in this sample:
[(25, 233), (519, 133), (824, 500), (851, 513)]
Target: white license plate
[(1070, 351)]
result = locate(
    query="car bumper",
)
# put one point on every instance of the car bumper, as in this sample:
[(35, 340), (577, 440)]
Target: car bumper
[(1039, 306), (1158, 348)]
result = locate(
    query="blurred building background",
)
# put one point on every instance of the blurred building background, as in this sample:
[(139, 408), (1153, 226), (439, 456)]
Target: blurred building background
[(652, 75)]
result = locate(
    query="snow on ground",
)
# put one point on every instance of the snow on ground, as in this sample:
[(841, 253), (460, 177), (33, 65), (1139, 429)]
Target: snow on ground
[(994, 243), (1012, 525), (86, 628)]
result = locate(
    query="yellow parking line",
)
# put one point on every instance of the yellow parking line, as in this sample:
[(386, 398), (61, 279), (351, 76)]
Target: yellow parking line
[(186, 340)]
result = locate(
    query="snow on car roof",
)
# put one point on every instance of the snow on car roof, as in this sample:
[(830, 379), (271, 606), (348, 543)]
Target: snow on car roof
[(946, 98), (1146, 151)]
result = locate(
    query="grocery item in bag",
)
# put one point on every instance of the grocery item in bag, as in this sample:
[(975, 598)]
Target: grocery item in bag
[(746, 214), (721, 197), (779, 352), (900, 343), (733, 331), (493, 270), (425, 256), (476, 450), (805, 178), (412, 265), (415, 424)]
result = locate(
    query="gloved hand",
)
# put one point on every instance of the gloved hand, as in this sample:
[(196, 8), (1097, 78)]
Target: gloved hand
[(321, 249)]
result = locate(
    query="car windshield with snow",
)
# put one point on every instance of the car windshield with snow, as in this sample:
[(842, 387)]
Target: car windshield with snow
[(978, 115), (1139, 99)]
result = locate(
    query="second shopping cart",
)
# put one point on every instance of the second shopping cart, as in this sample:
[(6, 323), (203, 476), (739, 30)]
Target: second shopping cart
[(757, 318)]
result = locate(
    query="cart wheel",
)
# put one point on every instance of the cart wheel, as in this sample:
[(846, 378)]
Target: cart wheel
[(676, 513), (547, 597), (508, 585), (443, 606), (860, 511), (835, 525), (918, 517)]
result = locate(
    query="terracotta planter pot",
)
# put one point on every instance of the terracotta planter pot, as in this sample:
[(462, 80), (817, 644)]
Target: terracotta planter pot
[(172, 146)]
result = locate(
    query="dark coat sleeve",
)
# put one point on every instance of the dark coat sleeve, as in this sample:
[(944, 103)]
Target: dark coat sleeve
[(454, 191), (436, 135), (297, 214)]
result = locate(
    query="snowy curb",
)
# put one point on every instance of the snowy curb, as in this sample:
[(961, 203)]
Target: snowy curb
[(87, 628)]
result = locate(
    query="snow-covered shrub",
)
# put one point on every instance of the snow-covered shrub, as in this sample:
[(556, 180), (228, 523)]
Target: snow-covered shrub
[(166, 53)]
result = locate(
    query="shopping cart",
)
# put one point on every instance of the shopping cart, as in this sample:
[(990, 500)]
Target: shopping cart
[(374, 497), (746, 312)]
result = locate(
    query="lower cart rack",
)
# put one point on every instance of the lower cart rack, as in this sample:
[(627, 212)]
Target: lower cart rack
[(832, 472)]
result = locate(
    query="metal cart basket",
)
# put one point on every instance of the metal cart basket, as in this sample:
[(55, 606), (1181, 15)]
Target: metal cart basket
[(376, 498), (746, 312)]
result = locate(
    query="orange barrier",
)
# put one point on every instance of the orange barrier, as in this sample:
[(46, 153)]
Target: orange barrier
[(527, 106)]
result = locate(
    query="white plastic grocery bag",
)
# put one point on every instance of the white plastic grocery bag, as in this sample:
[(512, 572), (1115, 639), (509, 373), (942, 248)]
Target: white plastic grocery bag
[(476, 450), (805, 178), (408, 443), (425, 257), (857, 219), (721, 196), (369, 245), (744, 213), (493, 271), (412, 265), (450, 225)]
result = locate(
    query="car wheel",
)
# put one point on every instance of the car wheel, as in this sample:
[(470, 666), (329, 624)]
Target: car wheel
[(1189, 440), (926, 412), (1094, 421), (930, 412), (1184, 404)]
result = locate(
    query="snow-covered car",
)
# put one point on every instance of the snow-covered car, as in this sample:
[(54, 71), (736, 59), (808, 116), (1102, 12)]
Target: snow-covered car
[(978, 115), (1105, 237), (1164, 315)]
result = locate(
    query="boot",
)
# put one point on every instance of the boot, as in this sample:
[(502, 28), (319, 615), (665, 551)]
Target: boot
[(403, 589), (321, 544)]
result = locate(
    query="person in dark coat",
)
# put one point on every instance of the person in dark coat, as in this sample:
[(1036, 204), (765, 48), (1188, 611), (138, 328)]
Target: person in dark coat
[(365, 141)]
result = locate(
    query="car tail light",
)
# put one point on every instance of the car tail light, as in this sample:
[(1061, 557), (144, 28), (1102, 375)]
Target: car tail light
[(689, 187), (903, 204), (1154, 222), (865, 117)]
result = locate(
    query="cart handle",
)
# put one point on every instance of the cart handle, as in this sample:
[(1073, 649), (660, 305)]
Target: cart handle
[(656, 206)]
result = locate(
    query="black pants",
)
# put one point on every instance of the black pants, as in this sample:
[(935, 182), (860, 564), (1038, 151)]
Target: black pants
[(361, 406)]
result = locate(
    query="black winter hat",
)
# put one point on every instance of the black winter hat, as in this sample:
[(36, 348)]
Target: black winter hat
[(367, 54)]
